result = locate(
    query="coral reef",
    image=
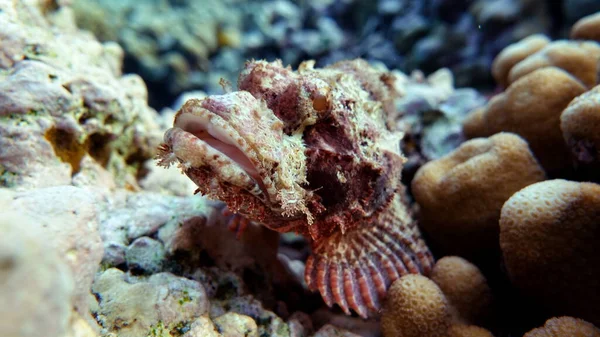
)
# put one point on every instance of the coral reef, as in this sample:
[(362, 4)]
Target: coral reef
[(187, 45), (415, 307), (283, 153), (322, 171), (587, 28), (548, 234), (514, 54), (460, 195), (547, 228), (578, 58), (195, 43), (531, 107), (75, 142), (464, 286), (580, 124), (430, 112), (174, 49), (565, 326)]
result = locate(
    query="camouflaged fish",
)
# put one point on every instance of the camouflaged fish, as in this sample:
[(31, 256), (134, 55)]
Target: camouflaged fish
[(310, 152)]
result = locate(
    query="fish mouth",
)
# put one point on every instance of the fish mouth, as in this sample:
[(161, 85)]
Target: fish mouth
[(219, 137), (232, 144), (203, 140)]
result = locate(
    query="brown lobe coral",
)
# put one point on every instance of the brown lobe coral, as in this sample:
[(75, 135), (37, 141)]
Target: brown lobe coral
[(580, 125), (465, 288), (462, 193), (462, 330), (565, 326), (587, 28), (514, 54), (549, 235), (415, 307), (578, 58), (531, 107)]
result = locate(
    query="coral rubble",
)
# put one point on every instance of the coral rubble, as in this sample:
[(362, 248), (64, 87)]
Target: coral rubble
[(188, 45)]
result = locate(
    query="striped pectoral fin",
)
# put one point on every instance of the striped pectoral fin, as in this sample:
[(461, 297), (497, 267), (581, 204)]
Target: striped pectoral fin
[(355, 269)]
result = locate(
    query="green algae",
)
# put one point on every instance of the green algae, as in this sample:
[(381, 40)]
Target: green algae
[(8, 178)]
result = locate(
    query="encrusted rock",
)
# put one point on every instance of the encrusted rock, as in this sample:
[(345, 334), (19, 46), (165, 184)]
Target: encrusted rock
[(233, 324), (145, 255), (63, 101), (67, 219), (36, 285), (135, 306)]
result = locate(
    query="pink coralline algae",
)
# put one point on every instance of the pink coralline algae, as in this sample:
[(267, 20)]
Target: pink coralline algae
[(312, 152)]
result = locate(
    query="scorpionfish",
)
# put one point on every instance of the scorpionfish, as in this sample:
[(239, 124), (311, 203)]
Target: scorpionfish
[(311, 151)]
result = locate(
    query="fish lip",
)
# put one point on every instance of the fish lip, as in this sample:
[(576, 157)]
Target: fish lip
[(186, 146), (215, 131), (217, 137), (194, 153), (239, 129)]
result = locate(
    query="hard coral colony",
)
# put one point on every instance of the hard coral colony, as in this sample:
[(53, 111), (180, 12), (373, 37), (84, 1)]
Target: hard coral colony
[(312, 152)]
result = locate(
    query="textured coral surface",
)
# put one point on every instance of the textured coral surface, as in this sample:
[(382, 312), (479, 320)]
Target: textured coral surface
[(565, 326), (416, 307), (97, 240), (549, 236), (580, 124), (461, 194)]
